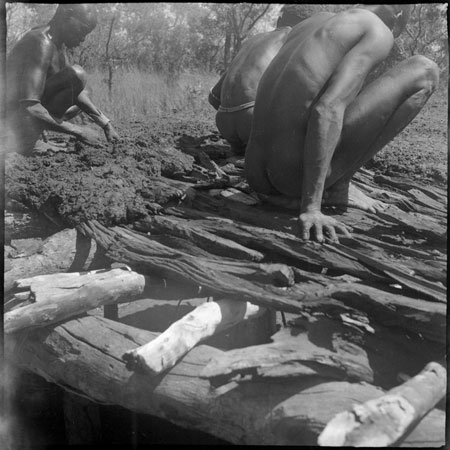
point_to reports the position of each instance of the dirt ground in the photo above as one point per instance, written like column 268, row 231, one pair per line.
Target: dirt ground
column 420, row 151
column 69, row 181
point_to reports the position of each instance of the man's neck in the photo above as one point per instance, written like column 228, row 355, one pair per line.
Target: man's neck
column 54, row 35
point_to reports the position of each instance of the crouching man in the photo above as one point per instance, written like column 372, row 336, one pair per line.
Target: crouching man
column 43, row 91
column 234, row 94
column 315, row 122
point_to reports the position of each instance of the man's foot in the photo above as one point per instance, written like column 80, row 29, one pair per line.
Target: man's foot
column 346, row 194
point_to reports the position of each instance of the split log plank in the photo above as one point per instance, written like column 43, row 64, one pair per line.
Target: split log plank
column 341, row 349
column 404, row 184
column 183, row 335
column 414, row 223
column 428, row 288
column 290, row 358
column 419, row 316
column 274, row 244
column 212, row 243
column 85, row 355
column 383, row 421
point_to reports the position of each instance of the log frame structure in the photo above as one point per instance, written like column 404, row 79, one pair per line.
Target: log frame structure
column 368, row 311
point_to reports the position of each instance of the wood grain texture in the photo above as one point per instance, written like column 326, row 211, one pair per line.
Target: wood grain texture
column 85, row 355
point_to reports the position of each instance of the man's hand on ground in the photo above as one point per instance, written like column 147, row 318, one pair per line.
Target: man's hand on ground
column 87, row 135
column 318, row 226
column 111, row 133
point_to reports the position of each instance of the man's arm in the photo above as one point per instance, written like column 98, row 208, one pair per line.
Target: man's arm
column 325, row 128
column 32, row 79
column 86, row 105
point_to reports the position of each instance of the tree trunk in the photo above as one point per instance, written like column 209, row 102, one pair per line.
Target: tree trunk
column 227, row 50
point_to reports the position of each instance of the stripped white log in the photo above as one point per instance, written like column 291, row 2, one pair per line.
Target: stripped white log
column 60, row 296
column 183, row 335
column 383, row 421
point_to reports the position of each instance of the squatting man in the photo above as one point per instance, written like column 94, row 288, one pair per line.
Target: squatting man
column 315, row 122
column 43, row 90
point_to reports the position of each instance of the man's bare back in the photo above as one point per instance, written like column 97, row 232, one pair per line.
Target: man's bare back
column 314, row 124
column 234, row 94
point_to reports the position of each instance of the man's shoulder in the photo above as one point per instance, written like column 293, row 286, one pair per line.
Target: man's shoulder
column 37, row 38
column 364, row 17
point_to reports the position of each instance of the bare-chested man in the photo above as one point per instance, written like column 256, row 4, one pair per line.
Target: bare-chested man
column 234, row 94
column 314, row 123
column 43, row 91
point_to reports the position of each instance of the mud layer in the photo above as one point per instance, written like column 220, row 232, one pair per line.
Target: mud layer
column 114, row 184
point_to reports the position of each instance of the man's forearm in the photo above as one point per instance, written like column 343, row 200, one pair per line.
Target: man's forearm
column 39, row 112
column 321, row 140
column 86, row 105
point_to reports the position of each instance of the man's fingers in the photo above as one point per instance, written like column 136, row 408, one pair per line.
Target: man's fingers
column 342, row 229
column 331, row 233
column 319, row 232
column 305, row 227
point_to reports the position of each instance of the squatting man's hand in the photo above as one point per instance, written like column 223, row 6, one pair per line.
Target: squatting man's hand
column 110, row 133
column 322, row 226
column 87, row 135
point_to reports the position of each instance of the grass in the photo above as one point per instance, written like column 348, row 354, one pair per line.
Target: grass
column 137, row 95
column 420, row 151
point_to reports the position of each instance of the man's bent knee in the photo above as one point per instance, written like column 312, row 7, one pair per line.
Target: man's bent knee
column 427, row 72
column 78, row 76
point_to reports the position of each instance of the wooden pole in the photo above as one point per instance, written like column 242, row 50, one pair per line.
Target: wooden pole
column 58, row 297
column 183, row 335
column 383, row 421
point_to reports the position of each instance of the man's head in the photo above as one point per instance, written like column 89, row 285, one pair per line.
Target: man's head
column 394, row 16
column 75, row 22
column 291, row 15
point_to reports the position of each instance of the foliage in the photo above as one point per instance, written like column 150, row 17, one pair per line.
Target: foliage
column 170, row 38
column 141, row 95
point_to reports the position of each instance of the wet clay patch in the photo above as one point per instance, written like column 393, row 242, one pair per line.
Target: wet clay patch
column 114, row 184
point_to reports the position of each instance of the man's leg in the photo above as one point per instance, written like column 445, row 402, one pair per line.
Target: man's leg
column 62, row 91
column 235, row 128
column 380, row 112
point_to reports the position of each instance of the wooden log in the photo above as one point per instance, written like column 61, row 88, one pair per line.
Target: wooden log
column 85, row 354
column 65, row 251
column 60, row 297
column 348, row 347
column 291, row 357
column 383, row 421
column 433, row 290
column 204, row 239
column 424, row 263
column 268, row 235
column 243, row 282
column 417, row 224
column 404, row 184
column 183, row 335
